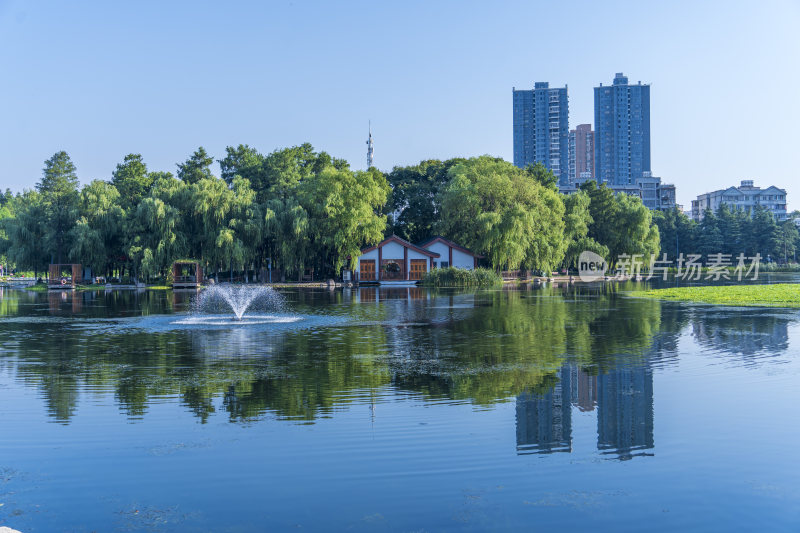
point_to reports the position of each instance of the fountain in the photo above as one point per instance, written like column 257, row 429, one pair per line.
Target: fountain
column 239, row 299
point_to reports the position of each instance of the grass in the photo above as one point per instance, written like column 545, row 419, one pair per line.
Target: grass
column 459, row 277
column 41, row 287
column 777, row 295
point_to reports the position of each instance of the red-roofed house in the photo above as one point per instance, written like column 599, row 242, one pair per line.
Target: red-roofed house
column 450, row 253
column 395, row 261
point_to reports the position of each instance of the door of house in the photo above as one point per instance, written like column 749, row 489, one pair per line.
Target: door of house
column 418, row 269
column 367, row 270
column 392, row 269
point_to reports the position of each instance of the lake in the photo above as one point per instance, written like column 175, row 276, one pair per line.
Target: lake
column 372, row 409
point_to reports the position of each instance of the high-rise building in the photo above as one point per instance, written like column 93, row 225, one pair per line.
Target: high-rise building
column 622, row 132
column 541, row 129
column 581, row 152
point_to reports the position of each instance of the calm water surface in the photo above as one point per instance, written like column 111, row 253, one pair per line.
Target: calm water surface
column 398, row 410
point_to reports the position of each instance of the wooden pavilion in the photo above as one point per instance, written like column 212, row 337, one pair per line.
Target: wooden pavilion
column 187, row 275
column 64, row 276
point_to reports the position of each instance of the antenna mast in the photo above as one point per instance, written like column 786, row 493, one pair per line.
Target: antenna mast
column 370, row 148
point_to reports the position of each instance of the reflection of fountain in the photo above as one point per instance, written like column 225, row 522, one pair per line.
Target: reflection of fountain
column 239, row 299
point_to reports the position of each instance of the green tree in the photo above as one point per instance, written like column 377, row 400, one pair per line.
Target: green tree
column 59, row 191
column 542, row 175
column 634, row 230
column 577, row 220
column 245, row 162
column 132, row 180
column 764, row 234
column 710, row 239
column 97, row 239
column 196, row 168
column 603, row 210
column 493, row 207
column 414, row 202
column 26, row 246
column 344, row 214
column 676, row 231
column 788, row 237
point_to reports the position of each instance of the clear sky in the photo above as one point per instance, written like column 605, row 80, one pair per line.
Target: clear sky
column 104, row 79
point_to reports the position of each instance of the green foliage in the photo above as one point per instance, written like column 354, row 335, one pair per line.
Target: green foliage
column 677, row 232
column 492, row 206
column 132, row 180
column 460, row 277
column 777, row 295
column 542, row 175
column 415, row 198
column 577, row 219
column 196, row 168
column 342, row 206
column 59, row 192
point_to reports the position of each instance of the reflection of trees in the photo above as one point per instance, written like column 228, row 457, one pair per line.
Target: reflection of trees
column 481, row 347
column 742, row 332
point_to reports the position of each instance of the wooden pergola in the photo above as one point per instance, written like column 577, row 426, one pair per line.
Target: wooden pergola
column 187, row 274
column 64, row 276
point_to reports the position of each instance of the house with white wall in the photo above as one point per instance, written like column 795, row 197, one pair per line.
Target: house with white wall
column 450, row 253
column 395, row 261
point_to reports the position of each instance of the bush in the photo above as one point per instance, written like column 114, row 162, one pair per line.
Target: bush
column 460, row 277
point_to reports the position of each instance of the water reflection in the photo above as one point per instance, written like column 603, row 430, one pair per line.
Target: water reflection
column 544, row 420
column 625, row 411
column 549, row 349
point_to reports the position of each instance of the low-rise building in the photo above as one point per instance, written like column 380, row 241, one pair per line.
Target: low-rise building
column 397, row 261
column 654, row 194
column 745, row 197
column 450, row 253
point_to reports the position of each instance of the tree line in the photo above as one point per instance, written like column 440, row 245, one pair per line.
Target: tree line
column 295, row 207
column 298, row 209
column 729, row 230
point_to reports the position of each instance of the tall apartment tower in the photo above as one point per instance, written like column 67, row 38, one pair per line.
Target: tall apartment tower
column 581, row 152
column 622, row 131
column 541, row 129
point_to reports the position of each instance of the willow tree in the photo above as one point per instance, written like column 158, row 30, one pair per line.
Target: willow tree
column 343, row 208
column 26, row 247
column 286, row 234
column 98, row 236
column 577, row 220
column 493, row 207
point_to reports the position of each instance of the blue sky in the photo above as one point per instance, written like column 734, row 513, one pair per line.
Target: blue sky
column 104, row 79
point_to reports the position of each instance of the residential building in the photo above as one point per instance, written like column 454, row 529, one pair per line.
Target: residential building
column 581, row 152
column 746, row 197
column 654, row 194
column 541, row 128
column 622, row 132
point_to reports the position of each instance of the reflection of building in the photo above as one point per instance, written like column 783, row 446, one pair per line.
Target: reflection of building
column 625, row 411
column 748, row 336
column 544, row 421
column 583, row 389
